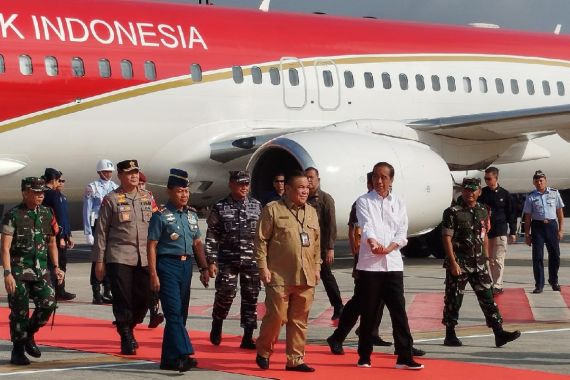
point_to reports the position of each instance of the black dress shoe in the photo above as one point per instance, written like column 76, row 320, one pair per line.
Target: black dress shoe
column 556, row 287
column 300, row 368
column 537, row 291
column 377, row 341
column 32, row 348
column 262, row 362
column 335, row 346
column 181, row 365
column 155, row 320
column 65, row 296
column 337, row 312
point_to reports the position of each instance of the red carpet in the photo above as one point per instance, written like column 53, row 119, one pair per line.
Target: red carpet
column 99, row 336
column 514, row 306
column 565, row 290
column 425, row 312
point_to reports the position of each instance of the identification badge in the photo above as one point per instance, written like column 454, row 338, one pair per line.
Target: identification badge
column 305, row 241
column 174, row 236
column 124, row 216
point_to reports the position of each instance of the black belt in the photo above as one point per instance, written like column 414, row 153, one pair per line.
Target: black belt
column 174, row 257
column 544, row 221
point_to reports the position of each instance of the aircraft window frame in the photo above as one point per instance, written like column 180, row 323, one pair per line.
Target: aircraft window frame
column 435, row 83
column 368, row 79
column 560, row 88
column 127, row 69
column 451, row 84
column 196, row 72
column 500, row 85
column 275, row 76
column 483, row 87
column 467, row 85
column 386, row 81
column 104, row 66
column 51, row 66
column 348, row 79
column 77, row 67
column 293, row 74
column 256, row 75
column 515, row 86
column 150, row 70
column 25, row 64
column 2, row 64
column 328, row 78
column 237, row 74
column 404, row 82
column 420, row 82
column 530, row 87
column 546, row 90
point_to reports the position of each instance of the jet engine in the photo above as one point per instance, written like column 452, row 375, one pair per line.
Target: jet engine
column 343, row 158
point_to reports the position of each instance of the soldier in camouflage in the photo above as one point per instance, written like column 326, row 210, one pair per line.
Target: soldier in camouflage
column 28, row 235
column 229, row 249
column 464, row 232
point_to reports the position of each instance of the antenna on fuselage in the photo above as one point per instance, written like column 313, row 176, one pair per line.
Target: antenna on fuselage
column 558, row 29
column 264, row 5
column 207, row 2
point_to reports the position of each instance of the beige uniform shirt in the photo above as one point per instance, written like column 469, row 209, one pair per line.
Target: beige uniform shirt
column 278, row 243
column 122, row 228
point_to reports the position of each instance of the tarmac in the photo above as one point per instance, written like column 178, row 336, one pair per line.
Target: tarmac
column 544, row 345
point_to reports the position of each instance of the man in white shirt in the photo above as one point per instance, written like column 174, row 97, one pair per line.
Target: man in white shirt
column 384, row 222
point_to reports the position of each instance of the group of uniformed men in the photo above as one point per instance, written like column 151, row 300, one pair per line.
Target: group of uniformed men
column 288, row 245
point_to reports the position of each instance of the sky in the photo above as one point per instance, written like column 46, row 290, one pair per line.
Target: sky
column 534, row 15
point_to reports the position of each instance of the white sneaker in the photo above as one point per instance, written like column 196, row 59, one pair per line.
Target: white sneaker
column 363, row 364
column 409, row 364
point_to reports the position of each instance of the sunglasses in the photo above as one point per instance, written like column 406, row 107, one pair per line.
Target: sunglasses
column 488, row 178
column 61, row 180
column 279, row 181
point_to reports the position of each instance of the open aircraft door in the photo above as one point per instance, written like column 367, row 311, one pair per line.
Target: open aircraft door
column 328, row 87
column 294, row 82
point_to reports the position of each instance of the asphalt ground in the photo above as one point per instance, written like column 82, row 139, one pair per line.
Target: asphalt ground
column 544, row 345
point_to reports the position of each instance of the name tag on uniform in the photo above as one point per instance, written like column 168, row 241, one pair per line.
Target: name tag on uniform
column 305, row 241
column 124, row 216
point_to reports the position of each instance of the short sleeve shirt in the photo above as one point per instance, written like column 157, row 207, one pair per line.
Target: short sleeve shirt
column 543, row 206
column 175, row 230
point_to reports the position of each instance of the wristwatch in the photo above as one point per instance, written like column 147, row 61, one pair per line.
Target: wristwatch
column 7, row 272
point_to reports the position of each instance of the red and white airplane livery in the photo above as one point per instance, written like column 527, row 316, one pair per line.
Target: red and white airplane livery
column 209, row 89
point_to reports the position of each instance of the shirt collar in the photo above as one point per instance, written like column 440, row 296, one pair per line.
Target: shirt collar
column 169, row 205
column 291, row 205
column 378, row 196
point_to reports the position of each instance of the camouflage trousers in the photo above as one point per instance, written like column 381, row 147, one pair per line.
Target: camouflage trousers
column 226, row 289
column 482, row 285
column 43, row 295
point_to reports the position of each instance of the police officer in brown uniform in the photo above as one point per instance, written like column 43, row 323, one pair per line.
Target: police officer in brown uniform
column 120, row 250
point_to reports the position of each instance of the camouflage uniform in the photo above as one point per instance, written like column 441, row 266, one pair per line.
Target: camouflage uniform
column 229, row 244
column 468, row 226
column 31, row 231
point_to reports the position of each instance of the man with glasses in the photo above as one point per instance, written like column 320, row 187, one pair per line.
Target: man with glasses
column 503, row 224
column 229, row 249
column 278, row 189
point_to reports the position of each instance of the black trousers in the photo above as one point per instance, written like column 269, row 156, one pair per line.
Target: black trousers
column 351, row 312
column 329, row 282
column 387, row 287
column 131, row 292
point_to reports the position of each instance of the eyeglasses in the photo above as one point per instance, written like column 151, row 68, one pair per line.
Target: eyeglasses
column 61, row 180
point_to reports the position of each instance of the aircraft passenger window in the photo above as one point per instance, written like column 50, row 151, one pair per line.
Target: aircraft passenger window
column 150, row 70
column 403, row 81
column 467, row 84
column 546, row 87
column 2, row 65
column 256, row 75
column 26, row 64
column 237, row 73
column 435, row 85
column 51, row 66
column 560, row 86
column 293, row 77
column 368, row 80
column 386, row 81
column 196, row 72
column 274, row 76
column 328, row 78
column 348, row 79
column 483, row 85
column 451, row 84
column 500, row 86
column 530, row 86
column 104, row 68
column 420, row 83
column 126, row 69
column 77, row 67
column 514, row 86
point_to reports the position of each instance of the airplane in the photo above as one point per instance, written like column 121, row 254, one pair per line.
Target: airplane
column 210, row 89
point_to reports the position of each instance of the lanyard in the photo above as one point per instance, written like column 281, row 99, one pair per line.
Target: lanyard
column 301, row 223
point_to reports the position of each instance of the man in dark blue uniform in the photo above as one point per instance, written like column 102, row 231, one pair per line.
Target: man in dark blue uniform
column 543, row 217
column 173, row 237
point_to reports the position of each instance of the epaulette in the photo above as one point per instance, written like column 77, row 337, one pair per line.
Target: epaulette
column 456, row 208
column 192, row 209
column 552, row 189
column 161, row 209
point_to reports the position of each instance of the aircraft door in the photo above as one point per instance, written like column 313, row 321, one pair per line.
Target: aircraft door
column 294, row 83
column 328, row 84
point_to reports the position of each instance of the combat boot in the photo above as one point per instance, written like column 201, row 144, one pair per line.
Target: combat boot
column 133, row 339
column 247, row 339
column 97, row 297
column 18, row 355
column 127, row 344
column 503, row 337
column 451, row 338
column 107, row 296
column 216, row 332
column 32, row 348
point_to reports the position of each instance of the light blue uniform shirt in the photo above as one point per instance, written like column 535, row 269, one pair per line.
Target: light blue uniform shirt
column 543, row 206
column 175, row 230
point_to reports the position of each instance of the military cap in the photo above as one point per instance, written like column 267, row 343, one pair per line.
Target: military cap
column 538, row 174
column 471, row 183
column 127, row 166
column 178, row 177
column 50, row 174
column 240, row 176
column 34, row 184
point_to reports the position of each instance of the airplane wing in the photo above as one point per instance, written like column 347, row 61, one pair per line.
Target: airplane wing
column 531, row 122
